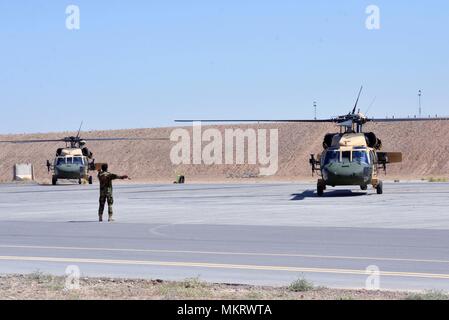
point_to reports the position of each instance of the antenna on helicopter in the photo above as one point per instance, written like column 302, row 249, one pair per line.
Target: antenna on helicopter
column 79, row 130
column 371, row 104
column 357, row 101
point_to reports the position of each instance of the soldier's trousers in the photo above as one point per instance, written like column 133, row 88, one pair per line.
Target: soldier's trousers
column 103, row 199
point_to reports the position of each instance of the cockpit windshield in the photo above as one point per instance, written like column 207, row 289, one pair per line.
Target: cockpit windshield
column 332, row 156
column 60, row 161
column 78, row 160
column 360, row 156
column 346, row 156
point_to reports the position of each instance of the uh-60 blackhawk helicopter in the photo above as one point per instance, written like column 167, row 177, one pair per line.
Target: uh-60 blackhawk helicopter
column 350, row 157
column 75, row 161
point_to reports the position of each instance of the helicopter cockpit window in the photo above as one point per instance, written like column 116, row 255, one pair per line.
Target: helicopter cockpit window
column 346, row 156
column 360, row 156
column 332, row 156
column 60, row 161
column 69, row 160
column 78, row 160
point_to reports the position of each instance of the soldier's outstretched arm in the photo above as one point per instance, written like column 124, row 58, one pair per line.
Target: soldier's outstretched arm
column 116, row 176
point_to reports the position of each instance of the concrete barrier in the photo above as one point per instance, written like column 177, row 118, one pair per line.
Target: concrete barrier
column 23, row 172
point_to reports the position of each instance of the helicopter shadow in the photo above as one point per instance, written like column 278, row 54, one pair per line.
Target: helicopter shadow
column 327, row 194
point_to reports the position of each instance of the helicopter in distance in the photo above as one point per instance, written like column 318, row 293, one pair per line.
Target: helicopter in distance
column 350, row 157
column 75, row 161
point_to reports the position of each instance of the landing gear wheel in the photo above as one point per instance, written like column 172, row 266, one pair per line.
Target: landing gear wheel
column 80, row 181
column 380, row 188
column 90, row 180
column 364, row 188
column 320, row 190
column 54, row 180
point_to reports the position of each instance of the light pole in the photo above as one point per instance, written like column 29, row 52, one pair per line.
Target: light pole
column 419, row 102
column 314, row 107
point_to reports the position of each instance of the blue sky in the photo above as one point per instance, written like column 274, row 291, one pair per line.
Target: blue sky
column 145, row 63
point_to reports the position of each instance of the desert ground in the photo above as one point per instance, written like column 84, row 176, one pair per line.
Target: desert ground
column 37, row 286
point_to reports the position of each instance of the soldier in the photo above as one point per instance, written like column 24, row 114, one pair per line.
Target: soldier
column 105, row 179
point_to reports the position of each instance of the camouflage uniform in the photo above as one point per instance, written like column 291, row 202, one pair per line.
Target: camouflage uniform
column 105, row 179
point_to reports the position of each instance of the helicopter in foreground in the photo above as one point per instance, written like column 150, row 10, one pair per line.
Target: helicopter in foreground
column 75, row 161
column 350, row 157
column 353, row 157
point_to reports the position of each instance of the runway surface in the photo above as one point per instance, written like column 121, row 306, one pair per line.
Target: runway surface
column 247, row 233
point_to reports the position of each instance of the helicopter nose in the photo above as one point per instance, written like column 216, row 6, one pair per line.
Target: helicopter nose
column 346, row 170
column 346, row 174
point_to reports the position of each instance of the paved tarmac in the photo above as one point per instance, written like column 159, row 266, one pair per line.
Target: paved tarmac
column 247, row 233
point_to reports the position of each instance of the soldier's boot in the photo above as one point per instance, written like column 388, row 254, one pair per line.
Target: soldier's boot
column 100, row 218
column 110, row 215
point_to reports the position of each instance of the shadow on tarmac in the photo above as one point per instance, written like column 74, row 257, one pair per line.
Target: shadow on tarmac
column 327, row 194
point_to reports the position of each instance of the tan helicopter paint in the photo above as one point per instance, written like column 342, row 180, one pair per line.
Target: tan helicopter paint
column 71, row 152
column 349, row 140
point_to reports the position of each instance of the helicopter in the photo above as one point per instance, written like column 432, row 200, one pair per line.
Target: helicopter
column 350, row 157
column 75, row 161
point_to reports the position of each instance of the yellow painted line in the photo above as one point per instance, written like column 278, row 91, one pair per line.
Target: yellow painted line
column 293, row 255
column 223, row 266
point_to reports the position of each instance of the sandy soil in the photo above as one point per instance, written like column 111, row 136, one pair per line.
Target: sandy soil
column 424, row 146
column 38, row 286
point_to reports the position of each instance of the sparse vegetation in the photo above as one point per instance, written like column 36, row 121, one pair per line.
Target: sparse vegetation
column 46, row 280
column 428, row 295
column 40, row 277
column 244, row 175
column 432, row 179
column 301, row 285
column 42, row 286
column 191, row 288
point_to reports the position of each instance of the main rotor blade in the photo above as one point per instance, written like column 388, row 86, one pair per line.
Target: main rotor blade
column 32, row 141
column 259, row 120
column 409, row 119
column 125, row 139
column 88, row 139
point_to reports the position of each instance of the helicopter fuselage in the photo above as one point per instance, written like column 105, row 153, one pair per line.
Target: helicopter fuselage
column 71, row 163
column 348, row 166
column 348, row 161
